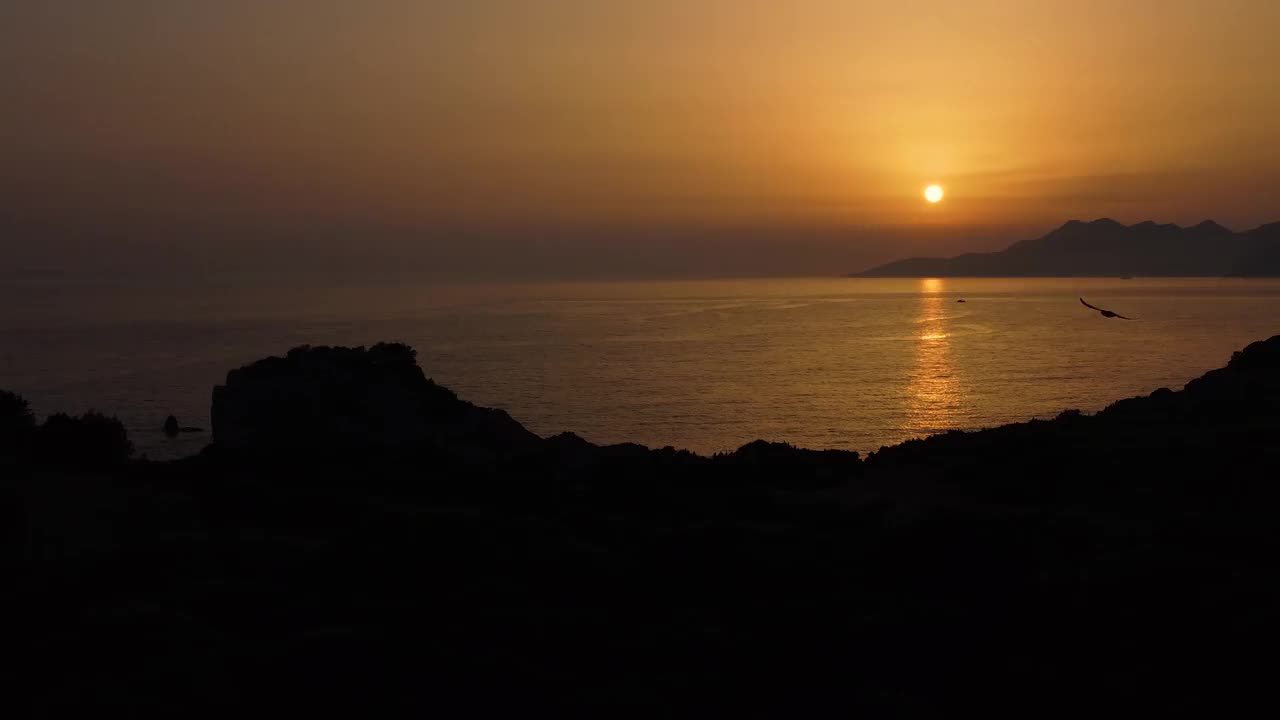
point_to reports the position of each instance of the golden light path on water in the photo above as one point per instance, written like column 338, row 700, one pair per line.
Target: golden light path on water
column 935, row 394
column 851, row 364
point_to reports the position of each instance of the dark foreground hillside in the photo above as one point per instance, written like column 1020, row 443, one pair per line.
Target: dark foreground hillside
column 359, row 540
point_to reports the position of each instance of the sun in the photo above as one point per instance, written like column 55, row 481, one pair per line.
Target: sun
column 933, row 193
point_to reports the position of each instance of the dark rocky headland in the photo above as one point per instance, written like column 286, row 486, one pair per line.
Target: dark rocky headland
column 358, row 540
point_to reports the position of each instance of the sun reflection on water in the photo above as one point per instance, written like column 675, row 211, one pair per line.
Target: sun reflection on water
column 934, row 395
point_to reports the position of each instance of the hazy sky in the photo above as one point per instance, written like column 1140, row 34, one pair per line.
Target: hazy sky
column 587, row 137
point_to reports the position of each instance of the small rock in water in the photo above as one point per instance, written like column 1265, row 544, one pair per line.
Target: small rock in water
column 171, row 427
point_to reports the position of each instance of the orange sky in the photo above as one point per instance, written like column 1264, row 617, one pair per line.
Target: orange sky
column 674, row 113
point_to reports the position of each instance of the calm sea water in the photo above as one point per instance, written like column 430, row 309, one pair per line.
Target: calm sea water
column 827, row 363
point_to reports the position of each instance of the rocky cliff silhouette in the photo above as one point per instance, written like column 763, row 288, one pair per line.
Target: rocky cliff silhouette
column 324, row 400
column 1109, row 249
column 358, row 540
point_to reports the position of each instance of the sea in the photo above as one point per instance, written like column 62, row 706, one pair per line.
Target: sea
column 853, row 364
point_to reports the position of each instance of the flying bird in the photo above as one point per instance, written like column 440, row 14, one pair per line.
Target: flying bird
column 1105, row 313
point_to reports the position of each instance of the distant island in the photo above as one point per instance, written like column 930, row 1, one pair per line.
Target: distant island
column 1106, row 248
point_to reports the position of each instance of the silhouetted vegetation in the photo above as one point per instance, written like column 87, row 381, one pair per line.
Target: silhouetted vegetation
column 91, row 440
column 429, row 557
column 17, row 425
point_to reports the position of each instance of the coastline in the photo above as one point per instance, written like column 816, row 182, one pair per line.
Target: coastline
column 367, row 541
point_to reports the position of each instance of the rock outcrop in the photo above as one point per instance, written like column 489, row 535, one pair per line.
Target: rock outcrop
column 173, row 428
column 326, row 400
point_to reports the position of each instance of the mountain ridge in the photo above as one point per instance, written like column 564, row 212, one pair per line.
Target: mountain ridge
column 1105, row 248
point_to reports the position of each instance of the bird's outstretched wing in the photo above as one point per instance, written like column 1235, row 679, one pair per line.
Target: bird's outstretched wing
column 1105, row 313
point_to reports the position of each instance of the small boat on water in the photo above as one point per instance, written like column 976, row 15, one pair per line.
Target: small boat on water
column 961, row 300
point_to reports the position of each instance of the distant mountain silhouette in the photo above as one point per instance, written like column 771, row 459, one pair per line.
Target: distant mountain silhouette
column 1261, row 255
column 1107, row 248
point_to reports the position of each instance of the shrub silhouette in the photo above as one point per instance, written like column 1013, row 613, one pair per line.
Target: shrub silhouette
column 17, row 424
column 92, row 440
